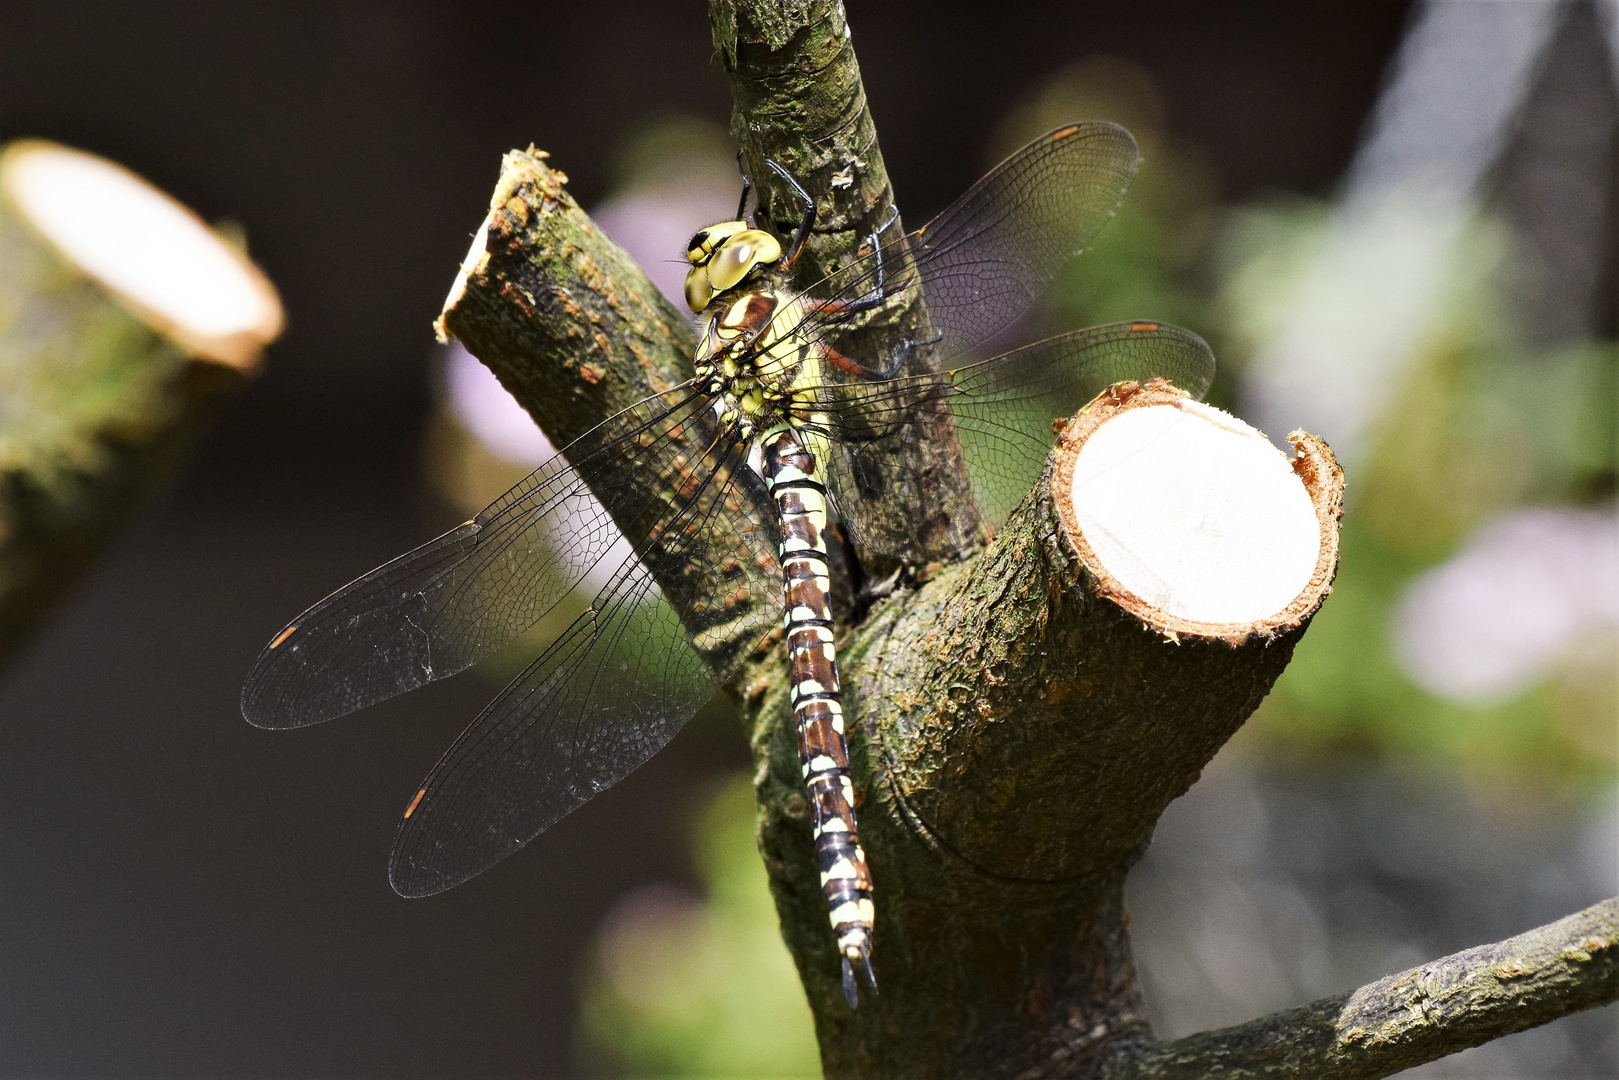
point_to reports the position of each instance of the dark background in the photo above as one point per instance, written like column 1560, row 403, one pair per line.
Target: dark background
column 181, row 894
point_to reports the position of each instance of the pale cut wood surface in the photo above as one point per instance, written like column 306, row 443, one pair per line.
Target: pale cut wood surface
column 1196, row 513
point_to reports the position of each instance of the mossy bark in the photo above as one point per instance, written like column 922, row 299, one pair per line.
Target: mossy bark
column 1016, row 730
column 97, row 411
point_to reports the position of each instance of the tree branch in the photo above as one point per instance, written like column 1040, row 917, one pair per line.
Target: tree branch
column 577, row 332
column 112, row 363
column 573, row 328
column 1020, row 718
column 1414, row 1017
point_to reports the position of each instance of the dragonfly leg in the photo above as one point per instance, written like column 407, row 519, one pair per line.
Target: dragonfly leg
column 747, row 186
column 853, row 367
column 902, row 357
column 805, row 223
column 879, row 292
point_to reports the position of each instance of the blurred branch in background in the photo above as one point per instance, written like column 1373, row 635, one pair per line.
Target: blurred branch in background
column 125, row 324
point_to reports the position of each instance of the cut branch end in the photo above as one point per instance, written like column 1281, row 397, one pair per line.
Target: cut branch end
column 1191, row 520
column 125, row 324
column 160, row 260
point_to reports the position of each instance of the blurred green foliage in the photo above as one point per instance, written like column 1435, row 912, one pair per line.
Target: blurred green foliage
column 682, row 987
column 1480, row 423
column 1148, row 262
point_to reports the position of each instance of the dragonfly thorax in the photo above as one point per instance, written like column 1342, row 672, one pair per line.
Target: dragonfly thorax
column 754, row 359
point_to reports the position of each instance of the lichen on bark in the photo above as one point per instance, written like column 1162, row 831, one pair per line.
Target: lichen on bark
column 1410, row 1018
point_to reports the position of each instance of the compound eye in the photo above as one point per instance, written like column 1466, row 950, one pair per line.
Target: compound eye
column 698, row 291
column 697, row 251
column 731, row 264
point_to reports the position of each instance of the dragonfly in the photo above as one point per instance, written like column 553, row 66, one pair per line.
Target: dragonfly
column 723, row 507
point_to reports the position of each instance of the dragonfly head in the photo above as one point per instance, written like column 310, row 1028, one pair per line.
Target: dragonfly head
column 723, row 256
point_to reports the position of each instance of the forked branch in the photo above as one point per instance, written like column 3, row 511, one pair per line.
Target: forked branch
column 1020, row 719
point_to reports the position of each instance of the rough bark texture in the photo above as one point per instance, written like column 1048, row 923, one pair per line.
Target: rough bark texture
column 1016, row 730
column 577, row 332
column 1016, row 734
column 97, row 411
column 562, row 316
column 1416, row 1016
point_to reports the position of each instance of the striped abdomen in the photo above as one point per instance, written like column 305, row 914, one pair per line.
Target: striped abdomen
column 795, row 481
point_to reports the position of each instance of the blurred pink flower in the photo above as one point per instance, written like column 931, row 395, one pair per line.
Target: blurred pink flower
column 1493, row 620
column 483, row 407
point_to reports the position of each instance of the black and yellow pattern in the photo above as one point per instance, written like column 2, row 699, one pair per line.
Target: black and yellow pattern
column 763, row 373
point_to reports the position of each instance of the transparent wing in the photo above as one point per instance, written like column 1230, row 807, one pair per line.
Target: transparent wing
column 985, row 259
column 606, row 696
column 438, row 609
column 1002, row 410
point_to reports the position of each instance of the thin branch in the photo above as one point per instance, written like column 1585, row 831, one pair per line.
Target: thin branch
column 1414, row 1017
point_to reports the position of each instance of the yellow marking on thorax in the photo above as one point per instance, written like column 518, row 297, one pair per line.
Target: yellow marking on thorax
column 777, row 371
column 780, row 349
column 730, row 322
